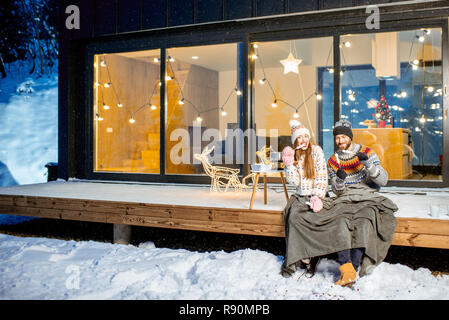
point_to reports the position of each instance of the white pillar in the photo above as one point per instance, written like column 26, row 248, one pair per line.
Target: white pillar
column 122, row 233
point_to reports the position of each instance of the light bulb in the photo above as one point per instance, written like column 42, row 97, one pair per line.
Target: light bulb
column 421, row 38
column 99, row 118
column 223, row 112
column 97, row 84
column 347, row 44
column 274, row 104
column 255, row 45
column 262, row 81
column 120, row 105
column 237, row 91
column 168, row 78
column 296, row 115
column 422, row 119
column 319, row 96
column 430, row 89
column 105, row 107
column 102, row 63
column 416, row 61
column 156, row 60
column 254, row 56
column 331, row 70
column 195, row 57
column 131, row 120
column 181, row 101
column 153, row 107
column 171, row 59
column 415, row 67
column 199, row 119
column 107, row 84
column 160, row 83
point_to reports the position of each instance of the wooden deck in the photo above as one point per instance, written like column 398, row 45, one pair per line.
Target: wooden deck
column 419, row 232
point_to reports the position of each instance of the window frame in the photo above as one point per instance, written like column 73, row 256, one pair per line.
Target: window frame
column 245, row 33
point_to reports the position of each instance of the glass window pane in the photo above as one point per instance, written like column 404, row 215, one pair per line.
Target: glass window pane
column 286, row 90
column 202, row 107
column 391, row 91
column 126, row 112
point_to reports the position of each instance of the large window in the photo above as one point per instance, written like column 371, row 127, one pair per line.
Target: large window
column 289, row 85
column 127, row 112
column 203, row 96
column 391, row 92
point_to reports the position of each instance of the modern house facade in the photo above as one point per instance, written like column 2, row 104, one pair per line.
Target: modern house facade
column 145, row 85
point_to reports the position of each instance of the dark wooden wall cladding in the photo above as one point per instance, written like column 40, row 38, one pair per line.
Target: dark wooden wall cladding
column 105, row 17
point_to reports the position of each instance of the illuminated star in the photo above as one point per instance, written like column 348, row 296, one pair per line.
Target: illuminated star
column 291, row 64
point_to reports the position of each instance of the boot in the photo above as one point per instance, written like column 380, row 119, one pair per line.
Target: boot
column 347, row 275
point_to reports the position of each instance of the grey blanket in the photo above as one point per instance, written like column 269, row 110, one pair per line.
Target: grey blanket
column 359, row 218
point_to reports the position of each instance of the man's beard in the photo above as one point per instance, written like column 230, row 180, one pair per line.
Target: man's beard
column 346, row 146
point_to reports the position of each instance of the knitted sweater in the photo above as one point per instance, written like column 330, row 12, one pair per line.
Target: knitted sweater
column 371, row 174
column 309, row 187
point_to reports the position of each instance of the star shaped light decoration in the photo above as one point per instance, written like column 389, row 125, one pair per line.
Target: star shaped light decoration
column 291, row 64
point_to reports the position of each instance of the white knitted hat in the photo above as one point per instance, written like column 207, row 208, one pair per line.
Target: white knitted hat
column 298, row 129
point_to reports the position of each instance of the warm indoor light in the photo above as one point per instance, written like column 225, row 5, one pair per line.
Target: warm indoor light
column 274, row 104
column 168, row 78
column 199, row 119
column 195, row 57
column 120, row 105
column 106, row 107
column 296, row 115
column 171, row 59
column 223, row 112
column 254, row 56
column 131, row 120
column 237, row 91
column 422, row 119
column 181, row 101
column 153, row 107
column 262, row 81
column 156, row 60
column 102, row 63
column 319, row 96
column 107, row 84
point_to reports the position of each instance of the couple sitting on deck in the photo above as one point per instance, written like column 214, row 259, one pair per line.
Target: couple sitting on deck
column 358, row 224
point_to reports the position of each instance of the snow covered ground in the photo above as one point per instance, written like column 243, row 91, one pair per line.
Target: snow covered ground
column 39, row 268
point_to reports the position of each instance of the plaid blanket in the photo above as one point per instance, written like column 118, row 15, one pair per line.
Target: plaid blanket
column 359, row 218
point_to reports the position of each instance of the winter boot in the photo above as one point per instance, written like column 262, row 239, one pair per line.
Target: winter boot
column 347, row 275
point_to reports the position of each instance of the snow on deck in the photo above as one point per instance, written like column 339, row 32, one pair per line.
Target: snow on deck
column 412, row 202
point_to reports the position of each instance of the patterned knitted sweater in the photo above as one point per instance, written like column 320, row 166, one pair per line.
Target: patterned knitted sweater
column 371, row 174
column 309, row 187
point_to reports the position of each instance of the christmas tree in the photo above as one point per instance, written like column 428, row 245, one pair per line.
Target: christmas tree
column 382, row 111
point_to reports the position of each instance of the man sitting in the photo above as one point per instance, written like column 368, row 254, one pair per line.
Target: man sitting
column 355, row 174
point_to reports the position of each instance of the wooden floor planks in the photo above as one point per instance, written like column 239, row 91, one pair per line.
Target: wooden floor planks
column 432, row 233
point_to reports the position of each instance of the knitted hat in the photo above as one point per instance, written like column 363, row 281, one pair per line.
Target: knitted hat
column 297, row 130
column 343, row 127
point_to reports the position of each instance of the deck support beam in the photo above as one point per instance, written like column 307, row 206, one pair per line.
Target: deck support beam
column 122, row 233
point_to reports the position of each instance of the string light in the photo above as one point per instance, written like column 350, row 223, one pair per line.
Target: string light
column 223, row 112
column 153, row 107
column 199, row 119
column 106, row 107
column 120, row 105
column 262, row 81
column 103, row 63
column 107, row 84
column 274, row 104
column 181, row 102
column 131, row 120
column 237, row 91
